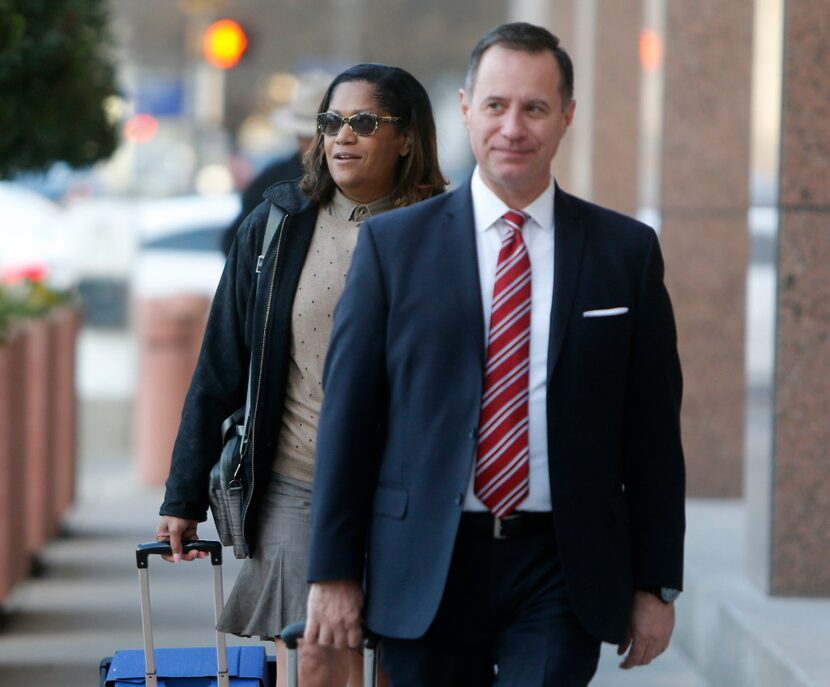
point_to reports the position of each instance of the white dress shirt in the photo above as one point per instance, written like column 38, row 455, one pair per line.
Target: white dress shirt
column 537, row 235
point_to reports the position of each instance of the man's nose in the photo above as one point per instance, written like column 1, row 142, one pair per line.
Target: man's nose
column 512, row 124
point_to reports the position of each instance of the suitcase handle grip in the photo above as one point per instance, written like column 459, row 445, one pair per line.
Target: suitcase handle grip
column 294, row 632
column 162, row 548
column 291, row 634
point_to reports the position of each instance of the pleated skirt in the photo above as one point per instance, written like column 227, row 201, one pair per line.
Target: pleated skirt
column 271, row 590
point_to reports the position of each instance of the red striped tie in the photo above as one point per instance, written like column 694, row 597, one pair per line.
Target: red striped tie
column 502, row 472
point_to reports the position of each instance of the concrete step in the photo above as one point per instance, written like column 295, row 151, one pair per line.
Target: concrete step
column 737, row 635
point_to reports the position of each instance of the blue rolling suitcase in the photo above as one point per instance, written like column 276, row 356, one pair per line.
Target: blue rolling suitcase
column 222, row 666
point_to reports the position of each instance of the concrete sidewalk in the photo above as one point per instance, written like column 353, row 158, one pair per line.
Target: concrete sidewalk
column 85, row 604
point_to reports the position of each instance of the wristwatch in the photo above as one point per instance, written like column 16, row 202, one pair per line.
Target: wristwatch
column 666, row 594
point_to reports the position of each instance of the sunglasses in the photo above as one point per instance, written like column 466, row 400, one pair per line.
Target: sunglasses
column 362, row 123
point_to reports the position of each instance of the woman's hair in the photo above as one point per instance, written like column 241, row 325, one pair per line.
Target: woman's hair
column 418, row 176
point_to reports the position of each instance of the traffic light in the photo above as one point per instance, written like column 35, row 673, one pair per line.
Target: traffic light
column 224, row 44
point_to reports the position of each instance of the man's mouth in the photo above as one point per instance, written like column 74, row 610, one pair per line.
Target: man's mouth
column 513, row 151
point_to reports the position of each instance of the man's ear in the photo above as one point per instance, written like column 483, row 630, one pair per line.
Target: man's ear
column 569, row 112
column 465, row 106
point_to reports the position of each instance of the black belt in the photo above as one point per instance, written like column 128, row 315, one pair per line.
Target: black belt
column 510, row 527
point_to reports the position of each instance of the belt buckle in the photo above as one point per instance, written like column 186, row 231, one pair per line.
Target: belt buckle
column 498, row 532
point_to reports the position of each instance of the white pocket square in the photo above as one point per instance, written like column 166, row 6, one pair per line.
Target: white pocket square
column 606, row 312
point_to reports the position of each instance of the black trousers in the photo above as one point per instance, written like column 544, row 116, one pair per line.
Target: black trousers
column 504, row 620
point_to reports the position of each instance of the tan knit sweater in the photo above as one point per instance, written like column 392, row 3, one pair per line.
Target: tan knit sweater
column 321, row 283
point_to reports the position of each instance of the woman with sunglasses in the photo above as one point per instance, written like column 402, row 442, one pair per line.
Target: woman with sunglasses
column 375, row 150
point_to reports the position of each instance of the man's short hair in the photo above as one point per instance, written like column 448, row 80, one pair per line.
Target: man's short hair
column 527, row 38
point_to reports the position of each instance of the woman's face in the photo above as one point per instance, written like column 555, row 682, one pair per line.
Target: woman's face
column 363, row 167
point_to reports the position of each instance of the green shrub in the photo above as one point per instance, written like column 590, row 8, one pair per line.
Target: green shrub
column 56, row 74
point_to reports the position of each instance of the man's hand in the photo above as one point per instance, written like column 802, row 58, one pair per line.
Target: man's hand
column 176, row 530
column 652, row 622
column 333, row 616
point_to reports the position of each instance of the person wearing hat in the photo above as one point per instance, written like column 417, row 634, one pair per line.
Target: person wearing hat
column 300, row 120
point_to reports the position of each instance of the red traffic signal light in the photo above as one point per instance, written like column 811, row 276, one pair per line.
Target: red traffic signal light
column 224, row 44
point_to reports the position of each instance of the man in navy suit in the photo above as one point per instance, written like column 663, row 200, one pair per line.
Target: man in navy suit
column 499, row 463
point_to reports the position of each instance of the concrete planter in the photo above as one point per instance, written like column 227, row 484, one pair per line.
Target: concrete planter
column 38, row 424
column 170, row 332
column 38, row 412
column 13, row 554
column 66, row 322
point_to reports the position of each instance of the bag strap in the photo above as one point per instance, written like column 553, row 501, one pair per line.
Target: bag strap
column 275, row 216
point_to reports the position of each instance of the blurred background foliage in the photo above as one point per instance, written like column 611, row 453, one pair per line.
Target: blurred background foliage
column 28, row 296
column 56, row 74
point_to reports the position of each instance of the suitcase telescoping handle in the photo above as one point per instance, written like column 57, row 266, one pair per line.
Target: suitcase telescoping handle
column 293, row 633
column 160, row 548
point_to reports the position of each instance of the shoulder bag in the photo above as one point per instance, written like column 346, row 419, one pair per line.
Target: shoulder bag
column 227, row 486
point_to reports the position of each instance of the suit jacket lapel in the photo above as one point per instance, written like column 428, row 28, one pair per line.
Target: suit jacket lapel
column 461, row 244
column 569, row 240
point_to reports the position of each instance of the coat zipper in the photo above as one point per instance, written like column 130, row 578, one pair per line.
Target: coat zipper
column 261, row 366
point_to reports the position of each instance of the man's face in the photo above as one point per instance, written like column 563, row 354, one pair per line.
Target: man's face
column 515, row 120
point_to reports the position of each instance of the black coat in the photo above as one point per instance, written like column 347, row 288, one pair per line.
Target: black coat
column 243, row 319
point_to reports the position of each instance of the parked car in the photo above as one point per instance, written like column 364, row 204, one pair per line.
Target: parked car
column 179, row 244
column 36, row 234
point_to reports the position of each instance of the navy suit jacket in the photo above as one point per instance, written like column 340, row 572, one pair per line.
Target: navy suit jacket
column 402, row 395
